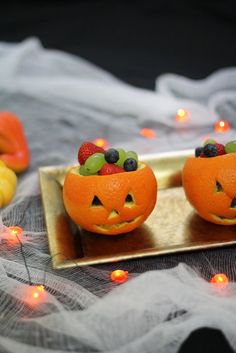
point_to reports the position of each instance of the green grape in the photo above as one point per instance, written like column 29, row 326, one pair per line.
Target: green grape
column 122, row 157
column 94, row 163
column 230, row 147
column 132, row 154
column 83, row 171
column 211, row 141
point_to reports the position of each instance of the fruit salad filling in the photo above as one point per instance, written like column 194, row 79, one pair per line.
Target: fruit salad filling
column 95, row 160
column 211, row 148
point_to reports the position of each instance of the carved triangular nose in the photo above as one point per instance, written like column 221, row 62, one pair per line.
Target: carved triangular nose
column 233, row 203
column 113, row 214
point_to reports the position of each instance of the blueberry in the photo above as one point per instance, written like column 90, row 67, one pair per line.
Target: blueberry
column 112, row 155
column 210, row 150
column 130, row 165
column 198, row 151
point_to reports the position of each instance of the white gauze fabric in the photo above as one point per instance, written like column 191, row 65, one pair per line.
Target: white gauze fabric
column 63, row 100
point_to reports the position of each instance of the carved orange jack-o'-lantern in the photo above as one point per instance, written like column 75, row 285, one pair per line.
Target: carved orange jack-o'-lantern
column 110, row 204
column 210, row 186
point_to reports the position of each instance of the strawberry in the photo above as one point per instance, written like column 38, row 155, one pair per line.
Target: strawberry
column 86, row 150
column 109, row 168
column 220, row 149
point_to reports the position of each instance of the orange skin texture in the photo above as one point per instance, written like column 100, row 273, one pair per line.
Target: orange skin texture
column 199, row 179
column 79, row 191
column 14, row 151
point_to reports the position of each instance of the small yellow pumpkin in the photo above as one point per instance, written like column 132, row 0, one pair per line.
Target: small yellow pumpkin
column 8, row 183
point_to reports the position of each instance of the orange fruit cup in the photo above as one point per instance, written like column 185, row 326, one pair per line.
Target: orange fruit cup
column 110, row 204
column 210, row 187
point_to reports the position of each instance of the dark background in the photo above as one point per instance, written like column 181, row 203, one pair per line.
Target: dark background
column 136, row 41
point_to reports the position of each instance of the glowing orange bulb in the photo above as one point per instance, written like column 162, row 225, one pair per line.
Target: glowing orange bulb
column 100, row 142
column 220, row 280
column 15, row 232
column 37, row 291
column 147, row 133
column 222, row 126
column 119, row 276
column 181, row 115
column 35, row 294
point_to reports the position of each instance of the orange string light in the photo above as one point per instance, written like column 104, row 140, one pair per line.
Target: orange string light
column 15, row 233
column 220, row 280
column 147, row 133
column 100, row 142
column 182, row 115
column 222, row 126
column 35, row 294
column 119, row 276
column 15, row 230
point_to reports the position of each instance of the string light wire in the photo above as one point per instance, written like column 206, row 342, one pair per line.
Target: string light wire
column 24, row 259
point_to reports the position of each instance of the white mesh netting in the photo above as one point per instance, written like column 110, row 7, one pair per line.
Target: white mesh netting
column 61, row 101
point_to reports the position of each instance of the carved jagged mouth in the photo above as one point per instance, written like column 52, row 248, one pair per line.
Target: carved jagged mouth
column 116, row 225
column 225, row 219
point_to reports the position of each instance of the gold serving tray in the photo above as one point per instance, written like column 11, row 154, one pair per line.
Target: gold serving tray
column 172, row 227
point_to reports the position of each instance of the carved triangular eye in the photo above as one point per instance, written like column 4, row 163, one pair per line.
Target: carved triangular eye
column 219, row 187
column 233, row 203
column 96, row 201
column 129, row 201
column 129, row 198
